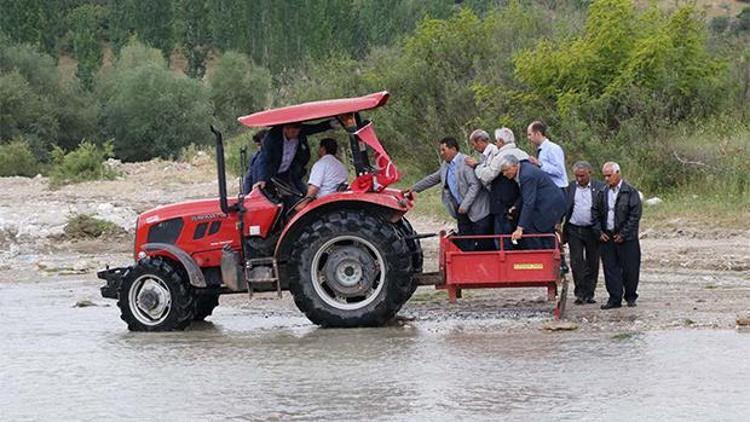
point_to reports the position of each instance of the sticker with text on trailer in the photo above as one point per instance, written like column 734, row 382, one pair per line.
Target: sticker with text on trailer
column 527, row 266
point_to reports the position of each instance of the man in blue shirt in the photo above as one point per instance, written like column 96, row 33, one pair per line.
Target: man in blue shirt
column 550, row 157
column 551, row 160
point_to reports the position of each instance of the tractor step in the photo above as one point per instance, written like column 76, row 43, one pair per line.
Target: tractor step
column 262, row 270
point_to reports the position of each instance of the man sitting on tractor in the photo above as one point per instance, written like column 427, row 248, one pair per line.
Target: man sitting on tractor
column 253, row 166
column 286, row 153
column 326, row 175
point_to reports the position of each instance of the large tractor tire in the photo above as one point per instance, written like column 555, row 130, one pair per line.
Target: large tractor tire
column 204, row 305
column 350, row 268
column 155, row 296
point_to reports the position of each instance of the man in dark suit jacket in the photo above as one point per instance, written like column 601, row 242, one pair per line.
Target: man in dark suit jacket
column 543, row 203
column 286, row 153
column 579, row 232
column 617, row 213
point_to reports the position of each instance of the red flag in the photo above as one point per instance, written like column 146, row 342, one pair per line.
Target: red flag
column 386, row 172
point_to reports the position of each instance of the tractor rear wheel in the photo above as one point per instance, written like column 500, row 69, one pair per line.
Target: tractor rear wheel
column 204, row 305
column 415, row 248
column 155, row 296
column 352, row 268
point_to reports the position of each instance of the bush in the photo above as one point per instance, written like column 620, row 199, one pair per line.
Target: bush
column 150, row 111
column 662, row 59
column 83, row 226
column 16, row 159
column 238, row 87
column 83, row 164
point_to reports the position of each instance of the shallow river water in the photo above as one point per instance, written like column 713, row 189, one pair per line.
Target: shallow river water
column 58, row 362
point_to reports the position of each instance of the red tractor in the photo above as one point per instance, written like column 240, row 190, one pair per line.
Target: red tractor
column 349, row 259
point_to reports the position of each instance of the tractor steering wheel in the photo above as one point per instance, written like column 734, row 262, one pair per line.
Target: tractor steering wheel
column 285, row 189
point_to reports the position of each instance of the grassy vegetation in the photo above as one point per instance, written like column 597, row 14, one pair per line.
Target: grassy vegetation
column 17, row 159
column 85, row 163
column 83, row 226
column 658, row 87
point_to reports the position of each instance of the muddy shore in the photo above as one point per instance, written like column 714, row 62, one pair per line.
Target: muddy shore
column 692, row 275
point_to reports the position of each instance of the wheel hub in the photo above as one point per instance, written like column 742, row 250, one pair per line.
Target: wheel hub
column 349, row 271
column 152, row 300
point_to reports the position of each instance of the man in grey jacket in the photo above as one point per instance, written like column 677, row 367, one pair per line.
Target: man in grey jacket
column 505, row 195
column 462, row 194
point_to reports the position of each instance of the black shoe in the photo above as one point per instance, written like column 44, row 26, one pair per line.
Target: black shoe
column 578, row 301
column 590, row 300
column 632, row 304
column 610, row 305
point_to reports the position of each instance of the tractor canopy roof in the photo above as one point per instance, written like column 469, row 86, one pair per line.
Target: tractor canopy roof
column 314, row 110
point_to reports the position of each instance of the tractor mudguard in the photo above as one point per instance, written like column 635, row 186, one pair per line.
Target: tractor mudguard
column 195, row 275
column 389, row 199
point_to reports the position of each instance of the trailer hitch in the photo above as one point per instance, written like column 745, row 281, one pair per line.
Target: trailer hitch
column 420, row 236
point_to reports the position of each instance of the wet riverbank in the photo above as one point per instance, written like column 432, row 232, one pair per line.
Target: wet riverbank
column 66, row 363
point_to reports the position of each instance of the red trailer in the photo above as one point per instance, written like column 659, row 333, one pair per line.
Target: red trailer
column 460, row 269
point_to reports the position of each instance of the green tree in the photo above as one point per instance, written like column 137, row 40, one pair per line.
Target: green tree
column 150, row 111
column 31, row 22
column 42, row 104
column 150, row 21
column 194, row 33
column 85, row 23
column 625, row 65
column 238, row 87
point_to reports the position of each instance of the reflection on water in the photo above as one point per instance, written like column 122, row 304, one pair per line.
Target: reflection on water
column 63, row 363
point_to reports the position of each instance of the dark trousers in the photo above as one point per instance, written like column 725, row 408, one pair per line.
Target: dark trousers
column 547, row 242
column 622, row 268
column 466, row 227
column 501, row 225
column 584, row 259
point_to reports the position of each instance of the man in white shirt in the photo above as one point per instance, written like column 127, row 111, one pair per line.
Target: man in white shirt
column 579, row 231
column 326, row 175
column 616, row 215
column 480, row 141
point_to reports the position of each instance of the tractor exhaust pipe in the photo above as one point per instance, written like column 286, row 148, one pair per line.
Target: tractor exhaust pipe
column 221, row 169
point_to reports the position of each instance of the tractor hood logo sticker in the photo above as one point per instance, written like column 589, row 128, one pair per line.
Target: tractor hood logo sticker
column 528, row 266
column 205, row 217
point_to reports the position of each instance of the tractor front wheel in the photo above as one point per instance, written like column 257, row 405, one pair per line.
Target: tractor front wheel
column 351, row 269
column 155, row 296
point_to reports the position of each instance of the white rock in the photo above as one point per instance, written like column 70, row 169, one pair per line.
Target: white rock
column 105, row 207
column 81, row 266
column 561, row 326
column 653, row 201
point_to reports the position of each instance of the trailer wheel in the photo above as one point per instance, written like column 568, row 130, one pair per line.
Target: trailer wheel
column 204, row 305
column 351, row 269
column 155, row 296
